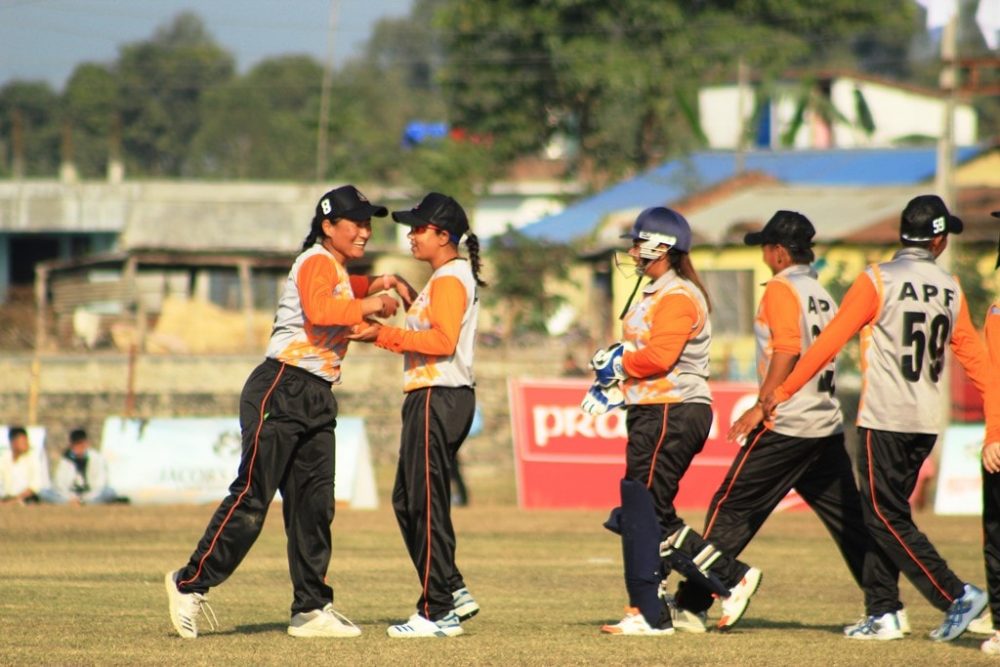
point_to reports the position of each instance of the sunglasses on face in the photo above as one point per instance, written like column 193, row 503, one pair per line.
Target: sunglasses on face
column 423, row 228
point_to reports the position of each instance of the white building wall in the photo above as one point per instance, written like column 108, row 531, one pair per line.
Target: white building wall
column 897, row 113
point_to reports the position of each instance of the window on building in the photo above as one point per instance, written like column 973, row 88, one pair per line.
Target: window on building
column 732, row 300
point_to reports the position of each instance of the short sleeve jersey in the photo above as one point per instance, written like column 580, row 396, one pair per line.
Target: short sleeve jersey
column 453, row 370
column 295, row 340
column 903, row 347
column 813, row 412
column 687, row 379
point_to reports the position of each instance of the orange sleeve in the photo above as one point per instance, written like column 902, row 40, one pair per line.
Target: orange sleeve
column 673, row 319
column 359, row 285
column 992, row 407
column 858, row 309
column 316, row 280
column 782, row 312
column 969, row 350
column 445, row 308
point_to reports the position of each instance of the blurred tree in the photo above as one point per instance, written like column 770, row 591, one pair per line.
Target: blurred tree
column 162, row 81
column 90, row 105
column 262, row 125
column 520, row 267
column 622, row 77
column 36, row 106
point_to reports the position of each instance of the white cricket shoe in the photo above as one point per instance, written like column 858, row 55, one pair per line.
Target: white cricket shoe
column 635, row 624
column 880, row 628
column 960, row 614
column 902, row 619
column 185, row 608
column 983, row 625
column 992, row 645
column 734, row 606
column 464, row 604
column 419, row 626
column 325, row 622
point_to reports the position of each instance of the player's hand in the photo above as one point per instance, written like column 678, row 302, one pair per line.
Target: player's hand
column 403, row 289
column 769, row 405
column 747, row 422
column 600, row 399
column 366, row 332
column 991, row 457
column 607, row 364
column 389, row 306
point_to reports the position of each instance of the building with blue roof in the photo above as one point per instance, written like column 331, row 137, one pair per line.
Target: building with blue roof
column 685, row 176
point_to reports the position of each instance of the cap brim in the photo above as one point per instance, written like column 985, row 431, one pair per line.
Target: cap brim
column 366, row 212
column 409, row 218
column 955, row 225
column 754, row 238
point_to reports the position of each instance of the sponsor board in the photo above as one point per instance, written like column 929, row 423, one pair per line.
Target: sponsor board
column 959, row 481
column 194, row 460
column 565, row 458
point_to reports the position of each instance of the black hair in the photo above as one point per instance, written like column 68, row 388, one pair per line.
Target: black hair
column 15, row 431
column 681, row 263
column 472, row 245
column 800, row 255
column 77, row 435
column 926, row 245
column 315, row 232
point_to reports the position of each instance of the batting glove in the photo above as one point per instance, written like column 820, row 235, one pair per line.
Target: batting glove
column 599, row 399
column 607, row 364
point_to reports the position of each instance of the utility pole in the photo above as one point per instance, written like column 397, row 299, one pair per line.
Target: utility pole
column 323, row 126
column 944, row 180
column 742, row 75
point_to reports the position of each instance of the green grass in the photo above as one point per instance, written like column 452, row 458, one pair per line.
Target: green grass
column 84, row 586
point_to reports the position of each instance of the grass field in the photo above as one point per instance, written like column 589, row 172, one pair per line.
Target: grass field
column 84, row 586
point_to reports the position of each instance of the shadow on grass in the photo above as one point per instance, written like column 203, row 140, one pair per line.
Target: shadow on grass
column 256, row 629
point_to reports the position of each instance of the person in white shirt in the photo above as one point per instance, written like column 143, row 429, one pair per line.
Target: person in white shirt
column 20, row 472
column 81, row 476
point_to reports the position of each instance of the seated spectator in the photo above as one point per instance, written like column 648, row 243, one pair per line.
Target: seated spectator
column 81, row 476
column 21, row 477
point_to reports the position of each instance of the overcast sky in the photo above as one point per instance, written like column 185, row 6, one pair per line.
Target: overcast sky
column 47, row 39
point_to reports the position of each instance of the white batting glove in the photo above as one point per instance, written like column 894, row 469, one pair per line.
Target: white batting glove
column 599, row 399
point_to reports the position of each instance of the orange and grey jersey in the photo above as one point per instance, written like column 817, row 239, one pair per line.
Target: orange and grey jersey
column 793, row 311
column 316, row 311
column 908, row 310
column 671, row 332
column 439, row 339
column 993, row 390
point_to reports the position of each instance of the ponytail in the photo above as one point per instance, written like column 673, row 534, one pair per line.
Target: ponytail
column 315, row 233
column 472, row 245
column 681, row 263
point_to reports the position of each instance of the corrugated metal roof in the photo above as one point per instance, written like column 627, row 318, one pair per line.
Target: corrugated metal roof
column 679, row 178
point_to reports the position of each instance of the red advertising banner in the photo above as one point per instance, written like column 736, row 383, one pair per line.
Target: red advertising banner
column 565, row 458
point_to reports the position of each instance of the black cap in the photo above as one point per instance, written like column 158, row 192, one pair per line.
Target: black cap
column 788, row 228
column 926, row 217
column 439, row 210
column 348, row 202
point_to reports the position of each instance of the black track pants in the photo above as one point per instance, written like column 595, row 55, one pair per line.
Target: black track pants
column 991, row 541
column 436, row 421
column 287, row 417
column 662, row 441
column 761, row 475
column 888, row 464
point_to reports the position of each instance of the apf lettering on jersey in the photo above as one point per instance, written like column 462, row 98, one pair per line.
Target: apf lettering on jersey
column 908, row 292
column 819, row 305
column 552, row 421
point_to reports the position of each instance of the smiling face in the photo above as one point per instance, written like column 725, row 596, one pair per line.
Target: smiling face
column 346, row 239
column 427, row 242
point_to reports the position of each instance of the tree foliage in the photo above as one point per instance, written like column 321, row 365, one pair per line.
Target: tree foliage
column 621, row 77
column 521, row 266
